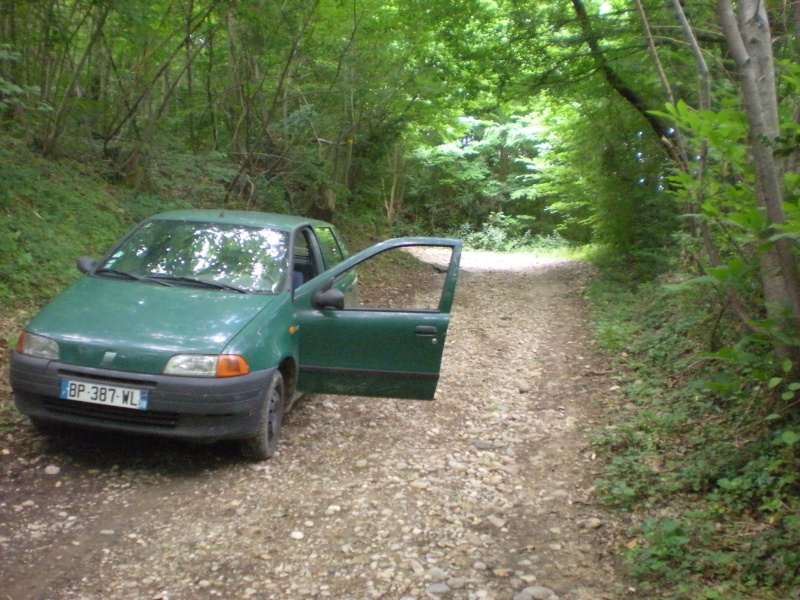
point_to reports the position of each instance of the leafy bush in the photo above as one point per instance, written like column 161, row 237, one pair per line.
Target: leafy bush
column 504, row 233
column 15, row 96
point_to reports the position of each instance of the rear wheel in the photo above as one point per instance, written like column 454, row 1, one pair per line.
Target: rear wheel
column 263, row 445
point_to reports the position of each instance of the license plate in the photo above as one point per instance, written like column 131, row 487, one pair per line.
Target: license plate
column 110, row 395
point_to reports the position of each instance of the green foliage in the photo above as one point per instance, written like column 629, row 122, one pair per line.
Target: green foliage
column 453, row 185
column 44, row 225
column 500, row 232
column 506, row 233
column 723, row 199
column 480, row 168
column 608, row 191
column 708, row 447
column 634, row 218
column 184, row 179
column 13, row 95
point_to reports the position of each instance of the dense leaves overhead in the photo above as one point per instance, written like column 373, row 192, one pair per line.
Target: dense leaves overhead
column 310, row 98
column 556, row 110
column 434, row 114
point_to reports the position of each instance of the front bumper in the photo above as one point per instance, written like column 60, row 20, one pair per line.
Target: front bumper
column 189, row 408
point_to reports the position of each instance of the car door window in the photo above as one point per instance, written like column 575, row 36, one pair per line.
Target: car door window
column 418, row 286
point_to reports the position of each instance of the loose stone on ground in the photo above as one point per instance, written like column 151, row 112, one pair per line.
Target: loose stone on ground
column 483, row 493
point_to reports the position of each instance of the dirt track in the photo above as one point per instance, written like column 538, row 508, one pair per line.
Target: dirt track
column 485, row 492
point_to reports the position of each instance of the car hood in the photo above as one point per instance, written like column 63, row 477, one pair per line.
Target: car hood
column 135, row 326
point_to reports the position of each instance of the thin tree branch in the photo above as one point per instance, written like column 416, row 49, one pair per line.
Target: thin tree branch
column 660, row 127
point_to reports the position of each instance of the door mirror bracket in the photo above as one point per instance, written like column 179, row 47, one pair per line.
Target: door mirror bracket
column 86, row 264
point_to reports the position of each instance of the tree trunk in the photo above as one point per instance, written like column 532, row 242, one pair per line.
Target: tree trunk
column 750, row 42
column 50, row 138
column 188, row 42
column 394, row 203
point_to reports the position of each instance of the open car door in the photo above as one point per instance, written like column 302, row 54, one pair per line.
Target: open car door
column 389, row 342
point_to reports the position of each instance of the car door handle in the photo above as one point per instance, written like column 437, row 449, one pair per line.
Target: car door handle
column 425, row 330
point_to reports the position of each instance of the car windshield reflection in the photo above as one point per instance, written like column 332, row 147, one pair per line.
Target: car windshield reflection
column 224, row 256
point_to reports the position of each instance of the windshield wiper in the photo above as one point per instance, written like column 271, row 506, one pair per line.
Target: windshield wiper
column 204, row 282
column 127, row 275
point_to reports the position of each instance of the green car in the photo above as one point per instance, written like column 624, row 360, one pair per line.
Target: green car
column 203, row 325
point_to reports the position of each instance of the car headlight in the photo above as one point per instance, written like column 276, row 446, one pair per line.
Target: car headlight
column 207, row 365
column 37, row 345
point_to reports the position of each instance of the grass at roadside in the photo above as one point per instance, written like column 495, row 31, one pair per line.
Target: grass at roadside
column 706, row 449
column 54, row 211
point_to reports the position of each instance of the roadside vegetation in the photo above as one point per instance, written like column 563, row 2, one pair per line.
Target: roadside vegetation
column 659, row 139
column 703, row 446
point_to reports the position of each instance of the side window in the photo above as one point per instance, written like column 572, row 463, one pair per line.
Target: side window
column 329, row 245
column 304, row 267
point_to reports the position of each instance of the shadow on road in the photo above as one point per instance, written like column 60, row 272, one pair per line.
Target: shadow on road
column 90, row 449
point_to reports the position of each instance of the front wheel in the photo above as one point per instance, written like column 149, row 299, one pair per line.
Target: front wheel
column 264, row 444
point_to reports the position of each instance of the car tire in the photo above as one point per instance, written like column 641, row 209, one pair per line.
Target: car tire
column 263, row 445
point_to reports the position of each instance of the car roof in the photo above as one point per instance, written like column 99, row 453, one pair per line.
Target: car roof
column 240, row 217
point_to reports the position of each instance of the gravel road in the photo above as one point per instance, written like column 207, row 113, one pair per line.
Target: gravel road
column 486, row 492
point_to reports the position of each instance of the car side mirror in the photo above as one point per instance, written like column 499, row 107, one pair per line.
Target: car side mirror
column 328, row 298
column 86, row 264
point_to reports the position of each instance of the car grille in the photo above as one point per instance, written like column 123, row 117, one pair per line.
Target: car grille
column 125, row 381
column 111, row 414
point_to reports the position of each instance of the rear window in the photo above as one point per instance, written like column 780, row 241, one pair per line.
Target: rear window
column 332, row 251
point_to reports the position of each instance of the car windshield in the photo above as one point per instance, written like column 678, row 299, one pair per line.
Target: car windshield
column 218, row 255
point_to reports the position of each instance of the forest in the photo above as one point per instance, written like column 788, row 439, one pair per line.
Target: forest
column 660, row 139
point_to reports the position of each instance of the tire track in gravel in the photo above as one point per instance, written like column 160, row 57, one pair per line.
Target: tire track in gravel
column 485, row 492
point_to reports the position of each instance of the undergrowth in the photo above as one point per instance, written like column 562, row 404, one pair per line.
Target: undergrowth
column 707, row 447
column 507, row 233
column 54, row 210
